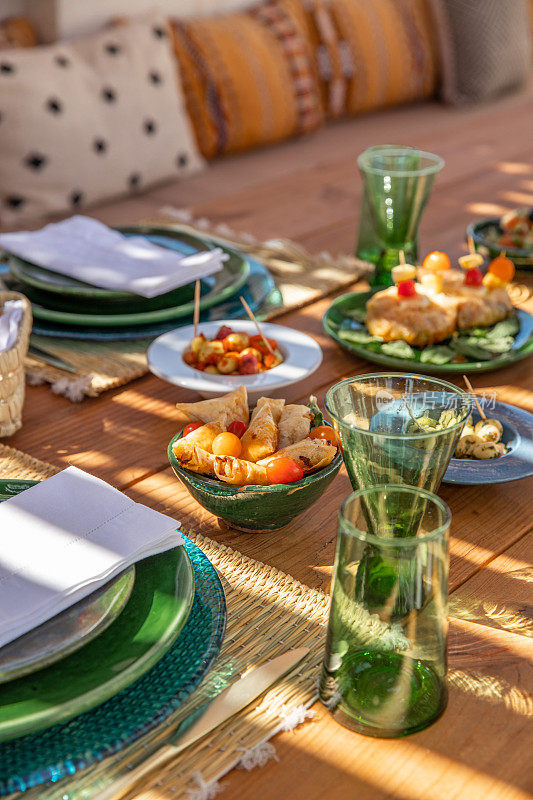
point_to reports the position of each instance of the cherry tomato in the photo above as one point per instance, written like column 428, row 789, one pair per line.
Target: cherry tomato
column 248, row 365
column 227, row 444
column 474, row 277
column 192, row 426
column 436, row 261
column 284, row 470
column 503, row 268
column 223, row 331
column 270, row 361
column 324, row 432
column 238, row 428
column 406, row 288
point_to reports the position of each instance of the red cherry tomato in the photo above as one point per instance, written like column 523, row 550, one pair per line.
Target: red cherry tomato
column 474, row 277
column 223, row 331
column 406, row 288
column 192, row 426
column 248, row 365
column 325, row 433
column 284, row 470
column 436, row 261
column 238, row 428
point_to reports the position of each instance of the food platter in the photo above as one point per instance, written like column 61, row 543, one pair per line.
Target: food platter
column 517, row 463
column 343, row 322
column 483, row 232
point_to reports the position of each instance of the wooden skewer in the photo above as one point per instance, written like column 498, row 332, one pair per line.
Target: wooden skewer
column 402, row 258
column 196, row 307
column 471, row 246
column 476, row 401
column 259, row 331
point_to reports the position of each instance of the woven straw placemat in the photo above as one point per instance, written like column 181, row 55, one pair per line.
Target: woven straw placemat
column 302, row 278
column 268, row 613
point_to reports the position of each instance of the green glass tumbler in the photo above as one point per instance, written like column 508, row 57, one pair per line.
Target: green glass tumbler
column 384, row 669
column 397, row 182
column 375, row 419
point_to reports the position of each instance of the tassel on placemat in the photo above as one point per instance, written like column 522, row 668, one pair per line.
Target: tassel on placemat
column 203, row 790
column 292, row 717
column 257, row 756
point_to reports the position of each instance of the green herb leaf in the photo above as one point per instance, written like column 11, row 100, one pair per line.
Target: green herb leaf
column 398, row 350
column 358, row 314
column 318, row 417
column 357, row 336
column 469, row 347
column 502, row 345
column 505, row 328
column 437, row 354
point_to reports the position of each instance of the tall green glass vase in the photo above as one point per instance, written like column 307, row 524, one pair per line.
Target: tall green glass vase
column 397, row 182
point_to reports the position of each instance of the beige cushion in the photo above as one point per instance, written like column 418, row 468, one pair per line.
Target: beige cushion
column 88, row 120
column 485, row 47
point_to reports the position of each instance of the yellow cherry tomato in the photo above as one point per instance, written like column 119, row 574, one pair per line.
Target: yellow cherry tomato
column 436, row 261
column 503, row 268
column 227, row 444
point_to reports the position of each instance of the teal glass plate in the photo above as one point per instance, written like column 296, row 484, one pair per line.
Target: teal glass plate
column 335, row 319
column 481, row 231
column 64, row 750
column 155, row 613
column 216, row 288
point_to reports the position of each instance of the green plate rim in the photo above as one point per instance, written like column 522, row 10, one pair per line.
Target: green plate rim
column 409, row 365
column 83, row 701
column 212, row 298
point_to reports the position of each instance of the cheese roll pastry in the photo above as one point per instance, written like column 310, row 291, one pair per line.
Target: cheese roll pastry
column 192, row 457
column 202, row 437
column 239, row 472
column 294, row 424
column 417, row 320
column 261, row 438
column 309, row 454
column 225, row 410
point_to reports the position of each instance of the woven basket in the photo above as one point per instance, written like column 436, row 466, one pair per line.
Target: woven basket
column 12, row 376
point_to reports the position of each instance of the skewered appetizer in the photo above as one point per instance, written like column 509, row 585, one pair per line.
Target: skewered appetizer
column 233, row 353
column 479, row 300
column 278, row 443
column 480, row 441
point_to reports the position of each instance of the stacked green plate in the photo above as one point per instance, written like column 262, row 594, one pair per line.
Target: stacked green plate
column 63, row 300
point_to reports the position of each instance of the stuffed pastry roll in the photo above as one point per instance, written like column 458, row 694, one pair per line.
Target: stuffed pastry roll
column 239, row 472
column 261, row 438
column 294, row 424
column 192, row 457
column 202, row 437
column 309, row 454
column 226, row 409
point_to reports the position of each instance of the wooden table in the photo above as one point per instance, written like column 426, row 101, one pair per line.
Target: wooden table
column 309, row 190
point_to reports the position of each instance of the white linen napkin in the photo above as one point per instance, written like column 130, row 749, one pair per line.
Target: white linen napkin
column 10, row 319
column 65, row 537
column 86, row 249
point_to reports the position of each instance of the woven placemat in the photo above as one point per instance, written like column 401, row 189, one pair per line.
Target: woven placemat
column 268, row 613
column 302, row 279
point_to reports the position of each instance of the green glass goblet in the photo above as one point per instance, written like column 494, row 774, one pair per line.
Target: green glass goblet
column 397, row 428
column 397, row 182
column 384, row 670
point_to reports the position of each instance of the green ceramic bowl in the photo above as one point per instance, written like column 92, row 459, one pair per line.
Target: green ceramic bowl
column 255, row 508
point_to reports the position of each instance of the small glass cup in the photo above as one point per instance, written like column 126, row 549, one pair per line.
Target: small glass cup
column 397, row 182
column 376, row 418
column 384, row 670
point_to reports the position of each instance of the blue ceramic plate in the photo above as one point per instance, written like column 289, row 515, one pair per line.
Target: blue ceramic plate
column 516, row 464
column 483, row 231
column 259, row 291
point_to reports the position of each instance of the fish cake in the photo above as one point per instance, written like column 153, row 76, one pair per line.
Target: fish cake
column 417, row 320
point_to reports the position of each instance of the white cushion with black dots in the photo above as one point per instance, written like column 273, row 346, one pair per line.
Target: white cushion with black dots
column 90, row 119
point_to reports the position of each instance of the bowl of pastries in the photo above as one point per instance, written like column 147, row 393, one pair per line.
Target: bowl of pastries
column 255, row 469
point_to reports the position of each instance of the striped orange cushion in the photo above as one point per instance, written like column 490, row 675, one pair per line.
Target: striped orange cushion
column 17, row 32
column 248, row 77
column 373, row 54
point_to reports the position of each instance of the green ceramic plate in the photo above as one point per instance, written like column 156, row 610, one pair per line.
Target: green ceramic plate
column 127, row 309
column 335, row 320
column 153, row 617
column 481, row 231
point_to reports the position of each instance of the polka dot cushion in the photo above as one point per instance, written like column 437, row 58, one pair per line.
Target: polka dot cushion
column 91, row 119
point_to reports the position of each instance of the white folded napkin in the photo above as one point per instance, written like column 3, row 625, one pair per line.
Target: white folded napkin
column 10, row 319
column 85, row 249
column 65, row 537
